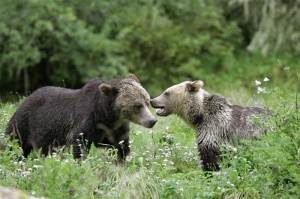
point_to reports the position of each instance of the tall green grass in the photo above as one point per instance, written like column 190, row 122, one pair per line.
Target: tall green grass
column 164, row 163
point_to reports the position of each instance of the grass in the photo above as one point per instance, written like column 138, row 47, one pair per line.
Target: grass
column 164, row 163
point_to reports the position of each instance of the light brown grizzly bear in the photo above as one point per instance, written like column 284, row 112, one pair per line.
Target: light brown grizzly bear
column 215, row 120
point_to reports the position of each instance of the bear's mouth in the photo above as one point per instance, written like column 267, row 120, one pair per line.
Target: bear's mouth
column 161, row 111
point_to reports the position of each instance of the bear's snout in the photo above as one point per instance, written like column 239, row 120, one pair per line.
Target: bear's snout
column 152, row 122
column 153, row 102
column 149, row 123
column 145, row 118
column 161, row 110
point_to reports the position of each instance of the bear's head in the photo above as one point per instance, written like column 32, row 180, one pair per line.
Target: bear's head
column 131, row 101
column 179, row 99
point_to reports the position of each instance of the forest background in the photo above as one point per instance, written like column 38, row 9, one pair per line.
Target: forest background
column 226, row 43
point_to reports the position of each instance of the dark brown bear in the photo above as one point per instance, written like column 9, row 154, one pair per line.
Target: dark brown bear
column 98, row 113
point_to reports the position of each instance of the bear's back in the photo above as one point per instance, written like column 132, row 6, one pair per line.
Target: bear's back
column 48, row 97
column 53, row 92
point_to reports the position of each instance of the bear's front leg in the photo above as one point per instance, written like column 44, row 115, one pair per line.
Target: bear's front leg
column 123, row 150
column 77, row 151
column 117, row 138
column 121, row 137
column 209, row 155
column 81, row 145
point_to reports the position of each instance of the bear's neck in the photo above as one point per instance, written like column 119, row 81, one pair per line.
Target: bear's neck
column 193, row 108
column 216, row 111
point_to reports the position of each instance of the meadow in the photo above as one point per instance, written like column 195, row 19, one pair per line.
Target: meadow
column 164, row 162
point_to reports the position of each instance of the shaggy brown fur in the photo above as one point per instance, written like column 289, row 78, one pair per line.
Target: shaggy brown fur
column 214, row 119
column 52, row 117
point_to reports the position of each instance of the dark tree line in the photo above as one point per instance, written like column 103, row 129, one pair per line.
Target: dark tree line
column 68, row 42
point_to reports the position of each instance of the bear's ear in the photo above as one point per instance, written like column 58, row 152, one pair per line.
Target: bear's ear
column 194, row 86
column 107, row 89
column 132, row 76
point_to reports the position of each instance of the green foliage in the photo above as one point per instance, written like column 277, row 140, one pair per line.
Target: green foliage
column 160, row 44
column 44, row 42
column 271, row 165
column 66, row 43
column 283, row 72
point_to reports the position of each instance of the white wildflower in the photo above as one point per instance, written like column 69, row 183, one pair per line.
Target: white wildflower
column 36, row 166
column 26, row 173
column 129, row 158
column 98, row 191
column 137, row 175
column 266, row 79
column 257, row 82
column 21, row 163
column 261, row 90
column 218, row 173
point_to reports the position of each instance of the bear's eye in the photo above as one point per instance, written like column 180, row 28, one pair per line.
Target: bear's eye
column 138, row 106
column 167, row 94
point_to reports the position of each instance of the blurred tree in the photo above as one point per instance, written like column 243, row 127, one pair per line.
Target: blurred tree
column 164, row 40
column 69, row 42
column 269, row 26
column 45, row 43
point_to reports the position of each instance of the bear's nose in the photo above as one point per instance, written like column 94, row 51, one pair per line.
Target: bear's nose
column 152, row 101
column 152, row 122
